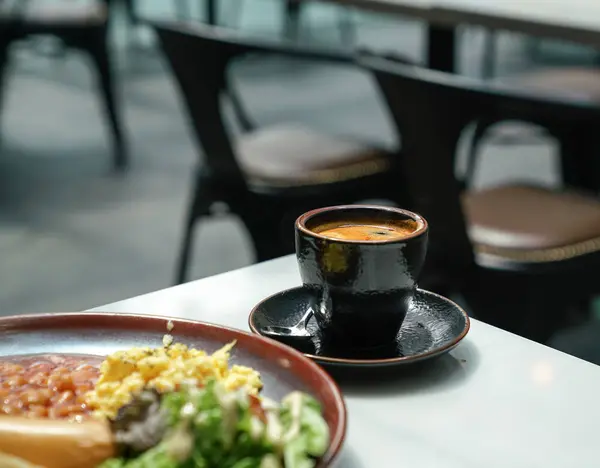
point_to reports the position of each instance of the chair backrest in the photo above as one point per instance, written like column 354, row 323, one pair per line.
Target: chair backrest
column 431, row 109
column 199, row 56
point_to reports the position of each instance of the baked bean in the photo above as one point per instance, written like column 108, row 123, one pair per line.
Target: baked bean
column 36, row 396
column 64, row 411
column 39, row 378
column 51, row 387
column 16, row 381
column 10, row 410
column 60, row 382
column 65, row 397
column 37, row 411
column 14, row 399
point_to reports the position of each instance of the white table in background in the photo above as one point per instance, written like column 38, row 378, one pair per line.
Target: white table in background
column 570, row 20
column 496, row 401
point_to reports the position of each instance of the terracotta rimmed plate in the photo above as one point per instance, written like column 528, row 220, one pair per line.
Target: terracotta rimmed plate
column 282, row 368
column 433, row 326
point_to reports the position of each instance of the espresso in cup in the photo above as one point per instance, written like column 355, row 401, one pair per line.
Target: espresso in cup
column 368, row 232
column 362, row 263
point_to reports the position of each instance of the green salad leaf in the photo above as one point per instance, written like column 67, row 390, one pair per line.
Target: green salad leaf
column 172, row 403
column 307, row 431
column 156, row 457
column 211, row 427
column 295, row 454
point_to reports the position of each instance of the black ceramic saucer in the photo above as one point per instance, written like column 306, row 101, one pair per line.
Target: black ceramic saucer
column 433, row 326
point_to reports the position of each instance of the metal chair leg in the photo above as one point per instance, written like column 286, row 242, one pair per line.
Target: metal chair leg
column 131, row 13
column 211, row 12
column 347, row 27
column 199, row 207
column 266, row 235
column 3, row 72
column 184, row 253
column 579, row 149
column 293, row 10
column 490, row 52
column 473, row 154
column 98, row 49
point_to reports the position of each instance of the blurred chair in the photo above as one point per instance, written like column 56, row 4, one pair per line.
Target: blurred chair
column 269, row 175
column 568, row 82
column 82, row 26
column 130, row 9
column 524, row 257
column 578, row 141
column 490, row 54
column 491, row 38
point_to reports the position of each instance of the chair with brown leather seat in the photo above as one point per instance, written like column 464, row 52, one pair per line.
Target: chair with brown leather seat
column 269, row 175
column 524, row 257
column 82, row 26
column 578, row 143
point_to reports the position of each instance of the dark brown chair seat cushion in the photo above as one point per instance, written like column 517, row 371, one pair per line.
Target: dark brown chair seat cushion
column 292, row 155
column 532, row 224
column 575, row 83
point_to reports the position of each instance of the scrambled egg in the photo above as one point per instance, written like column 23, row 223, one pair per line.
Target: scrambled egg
column 125, row 373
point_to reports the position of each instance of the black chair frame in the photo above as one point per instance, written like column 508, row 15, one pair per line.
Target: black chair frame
column 90, row 38
column 431, row 110
column 200, row 57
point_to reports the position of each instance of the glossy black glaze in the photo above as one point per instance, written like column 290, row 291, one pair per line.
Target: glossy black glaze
column 361, row 289
column 433, row 326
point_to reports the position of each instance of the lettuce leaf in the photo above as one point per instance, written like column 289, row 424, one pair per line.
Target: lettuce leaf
column 172, row 403
column 222, row 431
column 307, row 430
column 227, row 432
column 156, row 457
column 295, row 454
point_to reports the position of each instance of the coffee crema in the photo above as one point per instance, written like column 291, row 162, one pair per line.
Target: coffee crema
column 369, row 232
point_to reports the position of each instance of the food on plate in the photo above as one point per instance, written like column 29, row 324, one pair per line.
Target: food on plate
column 215, row 427
column 56, row 444
column 125, row 373
column 166, row 407
column 9, row 461
column 48, row 386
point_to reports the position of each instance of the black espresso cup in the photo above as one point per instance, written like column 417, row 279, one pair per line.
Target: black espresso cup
column 362, row 263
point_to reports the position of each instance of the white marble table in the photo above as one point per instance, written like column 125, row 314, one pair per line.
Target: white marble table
column 497, row 400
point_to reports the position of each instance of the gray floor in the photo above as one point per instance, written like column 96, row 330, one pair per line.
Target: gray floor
column 73, row 236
